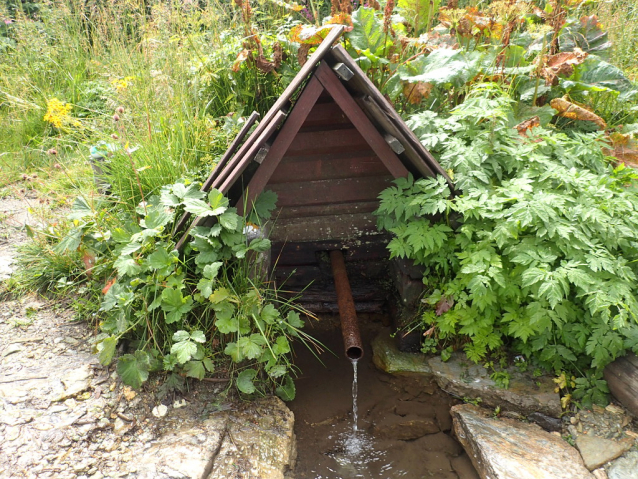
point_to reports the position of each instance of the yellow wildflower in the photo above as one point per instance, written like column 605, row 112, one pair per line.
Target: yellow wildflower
column 121, row 84
column 57, row 112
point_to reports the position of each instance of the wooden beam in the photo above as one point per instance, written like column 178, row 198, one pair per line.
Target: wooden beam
column 289, row 131
column 233, row 147
column 363, row 84
column 359, row 119
column 220, row 165
column 240, row 166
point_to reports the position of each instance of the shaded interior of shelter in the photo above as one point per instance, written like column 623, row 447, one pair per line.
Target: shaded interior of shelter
column 327, row 185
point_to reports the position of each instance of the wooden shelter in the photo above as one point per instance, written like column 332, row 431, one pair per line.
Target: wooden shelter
column 328, row 146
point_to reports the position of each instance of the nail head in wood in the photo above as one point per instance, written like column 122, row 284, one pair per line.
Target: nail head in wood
column 343, row 71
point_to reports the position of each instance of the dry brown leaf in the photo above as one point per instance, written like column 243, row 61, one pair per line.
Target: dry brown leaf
column 524, row 126
column 302, row 53
column 561, row 64
column 241, row 58
column 624, row 148
column 415, row 93
column 570, row 110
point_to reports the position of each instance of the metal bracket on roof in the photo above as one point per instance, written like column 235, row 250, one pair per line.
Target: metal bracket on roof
column 343, row 71
column 261, row 154
column 394, row 143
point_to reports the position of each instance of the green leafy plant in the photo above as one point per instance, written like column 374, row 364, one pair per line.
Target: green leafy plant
column 536, row 250
column 206, row 310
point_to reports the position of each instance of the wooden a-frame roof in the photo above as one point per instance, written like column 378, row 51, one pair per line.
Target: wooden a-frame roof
column 246, row 168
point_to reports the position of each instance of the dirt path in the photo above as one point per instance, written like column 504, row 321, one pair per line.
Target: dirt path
column 63, row 415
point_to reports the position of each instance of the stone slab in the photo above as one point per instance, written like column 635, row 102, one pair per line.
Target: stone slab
column 259, row 443
column 598, row 451
column 388, row 358
column 625, row 467
column 509, row 449
column 525, row 395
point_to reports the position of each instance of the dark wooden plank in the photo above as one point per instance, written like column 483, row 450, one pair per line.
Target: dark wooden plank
column 359, row 119
column 297, row 116
column 295, row 171
column 321, row 228
column 325, row 210
column 326, row 114
column 315, row 142
column 241, row 165
column 330, row 191
column 369, row 248
column 362, row 83
column 181, row 224
column 332, row 155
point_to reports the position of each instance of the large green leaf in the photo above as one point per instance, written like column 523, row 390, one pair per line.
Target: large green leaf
column 175, row 303
column 106, row 350
column 596, row 75
column 443, row 67
column 218, row 202
column 156, row 216
column 195, row 369
column 418, row 13
column 287, row 390
column 586, row 34
column 184, row 350
column 126, row 265
column 367, row 32
column 133, row 368
column 245, row 381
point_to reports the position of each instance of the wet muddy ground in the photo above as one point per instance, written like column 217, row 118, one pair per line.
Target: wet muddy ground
column 404, row 425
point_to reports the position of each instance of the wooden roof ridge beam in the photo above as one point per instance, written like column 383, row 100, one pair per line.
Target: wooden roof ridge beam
column 278, row 149
column 339, row 54
column 360, row 120
column 241, row 164
column 231, row 150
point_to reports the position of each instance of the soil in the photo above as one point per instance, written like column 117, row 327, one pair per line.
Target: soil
column 404, row 424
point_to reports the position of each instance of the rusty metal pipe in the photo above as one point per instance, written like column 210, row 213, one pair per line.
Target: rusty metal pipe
column 347, row 312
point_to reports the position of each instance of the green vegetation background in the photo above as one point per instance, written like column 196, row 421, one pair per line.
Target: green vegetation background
column 530, row 106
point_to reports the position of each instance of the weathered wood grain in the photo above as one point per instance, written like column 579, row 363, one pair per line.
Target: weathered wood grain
column 330, row 191
column 622, row 379
column 344, row 99
column 327, row 169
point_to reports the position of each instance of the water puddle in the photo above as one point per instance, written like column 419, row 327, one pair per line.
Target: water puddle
column 355, row 422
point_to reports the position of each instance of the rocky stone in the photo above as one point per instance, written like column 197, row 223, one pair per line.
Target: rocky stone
column 525, row 395
column 463, row 467
column 506, row 449
column 546, row 422
column 405, row 428
column 388, row 358
column 76, row 381
column 160, row 411
column 259, row 443
column 625, row 467
column 178, row 454
column 597, row 451
column 121, row 427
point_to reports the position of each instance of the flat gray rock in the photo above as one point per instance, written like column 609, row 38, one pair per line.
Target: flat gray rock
column 597, row 451
column 625, row 467
column 525, row 395
column 508, row 449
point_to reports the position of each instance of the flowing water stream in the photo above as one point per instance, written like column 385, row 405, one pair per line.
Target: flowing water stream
column 356, row 422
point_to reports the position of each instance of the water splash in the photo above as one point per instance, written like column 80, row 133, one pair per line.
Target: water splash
column 355, row 391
